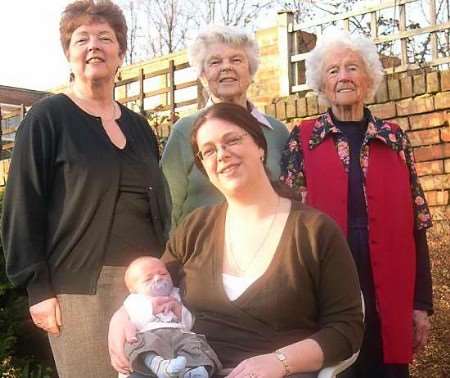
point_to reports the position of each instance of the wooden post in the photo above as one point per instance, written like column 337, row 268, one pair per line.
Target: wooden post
column 23, row 110
column 373, row 25
column 285, row 22
column 403, row 41
column 433, row 37
column 1, row 133
column 141, row 91
column 172, row 91
column 347, row 24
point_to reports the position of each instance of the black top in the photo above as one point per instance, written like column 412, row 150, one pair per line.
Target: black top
column 62, row 190
column 354, row 132
column 132, row 234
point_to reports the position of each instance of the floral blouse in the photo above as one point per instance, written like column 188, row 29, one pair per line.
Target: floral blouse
column 292, row 170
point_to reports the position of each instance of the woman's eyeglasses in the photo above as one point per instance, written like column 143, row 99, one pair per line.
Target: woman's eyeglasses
column 210, row 151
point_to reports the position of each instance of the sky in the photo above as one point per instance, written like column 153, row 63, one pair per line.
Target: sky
column 31, row 55
column 30, row 52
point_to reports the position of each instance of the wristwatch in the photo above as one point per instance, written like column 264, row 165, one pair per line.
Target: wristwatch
column 282, row 357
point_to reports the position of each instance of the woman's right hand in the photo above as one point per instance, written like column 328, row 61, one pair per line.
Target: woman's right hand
column 47, row 315
column 121, row 330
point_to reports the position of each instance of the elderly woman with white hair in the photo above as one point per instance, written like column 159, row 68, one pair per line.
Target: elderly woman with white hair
column 360, row 170
column 226, row 60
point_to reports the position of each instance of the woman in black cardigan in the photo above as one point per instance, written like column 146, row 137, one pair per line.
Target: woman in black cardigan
column 85, row 195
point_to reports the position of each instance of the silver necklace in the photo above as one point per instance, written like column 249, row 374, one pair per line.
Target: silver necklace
column 84, row 104
column 255, row 254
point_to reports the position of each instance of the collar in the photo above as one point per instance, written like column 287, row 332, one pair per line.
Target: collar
column 376, row 129
column 260, row 117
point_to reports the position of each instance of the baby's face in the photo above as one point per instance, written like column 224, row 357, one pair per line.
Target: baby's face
column 152, row 278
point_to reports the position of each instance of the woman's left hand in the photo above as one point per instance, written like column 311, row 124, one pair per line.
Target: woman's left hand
column 120, row 331
column 263, row 366
column 422, row 328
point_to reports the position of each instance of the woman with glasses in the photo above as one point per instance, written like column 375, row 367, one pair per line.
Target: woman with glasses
column 270, row 281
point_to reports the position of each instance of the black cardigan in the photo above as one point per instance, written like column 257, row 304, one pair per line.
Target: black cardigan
column 62, row 188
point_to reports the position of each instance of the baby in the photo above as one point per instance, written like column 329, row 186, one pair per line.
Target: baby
column 165, row 346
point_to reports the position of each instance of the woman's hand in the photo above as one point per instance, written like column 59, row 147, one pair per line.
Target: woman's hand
column 263, row 366
column 121, row 330
column 47, row 315
column 422, row 328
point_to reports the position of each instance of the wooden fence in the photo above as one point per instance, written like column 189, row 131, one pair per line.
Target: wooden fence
column 163, row 88
column 397, row 37
column 11, row 115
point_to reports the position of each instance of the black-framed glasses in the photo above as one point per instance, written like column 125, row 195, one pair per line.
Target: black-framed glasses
column 210, row 151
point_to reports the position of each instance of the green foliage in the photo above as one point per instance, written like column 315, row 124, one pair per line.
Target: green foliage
column 13, row 314
column 161, row 124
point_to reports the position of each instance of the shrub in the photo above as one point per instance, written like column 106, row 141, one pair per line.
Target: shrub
column 15, row 360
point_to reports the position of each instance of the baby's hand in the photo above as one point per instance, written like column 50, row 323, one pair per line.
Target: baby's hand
column 161, row 304
column 175, row 307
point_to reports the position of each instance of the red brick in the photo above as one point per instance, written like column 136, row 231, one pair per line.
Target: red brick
column 281, row 110
column 433, row 82
column 312, row 104
column 382, row 92
column 419, row 84
column 384, row 111
column 406, row 85
column 424, row 137
column 442, row 100
column 291, row 107
column 394, row 89
column 402, row 122
column 270, row 110
column 437, row 197
column 436, row 152
column 436, row 182
column 301, row 107
column 445, row 134
column 425, row 121
column 447, row 165
column 322, row 107
column 421, row 104
column 445, row 80
column 434, row 167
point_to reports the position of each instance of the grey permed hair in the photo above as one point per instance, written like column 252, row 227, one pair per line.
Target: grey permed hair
column 227, row 35
column 332, row 38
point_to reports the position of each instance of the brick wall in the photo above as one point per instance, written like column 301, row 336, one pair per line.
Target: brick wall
column 420, row 104
column 266, row 84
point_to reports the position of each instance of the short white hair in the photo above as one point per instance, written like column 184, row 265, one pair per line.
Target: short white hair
column 227, row 35
column 332, row 38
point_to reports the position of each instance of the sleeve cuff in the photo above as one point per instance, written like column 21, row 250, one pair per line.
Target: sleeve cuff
column 424, row 307
column 39, row 291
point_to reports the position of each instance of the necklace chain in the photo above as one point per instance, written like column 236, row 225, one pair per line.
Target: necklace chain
column 255, row 254
column 84, row 104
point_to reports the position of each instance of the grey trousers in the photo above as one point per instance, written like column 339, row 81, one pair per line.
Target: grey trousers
column 81, row 350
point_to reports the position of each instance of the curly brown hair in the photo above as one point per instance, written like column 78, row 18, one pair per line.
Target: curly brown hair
column 88, row 11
